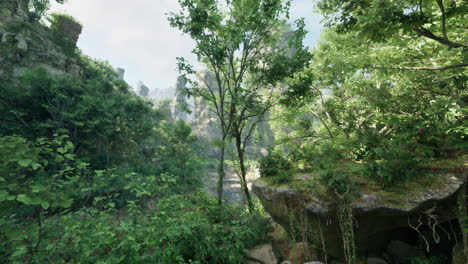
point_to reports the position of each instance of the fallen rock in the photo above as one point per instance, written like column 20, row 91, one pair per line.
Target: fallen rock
column 263, row 253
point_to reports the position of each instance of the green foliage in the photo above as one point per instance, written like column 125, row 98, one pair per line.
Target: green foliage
column 177, row 229
column 387, row 98
column 273, row 164
column 38, row 8
column 73, row 148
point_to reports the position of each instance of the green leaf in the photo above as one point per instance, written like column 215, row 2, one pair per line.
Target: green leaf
column 69, row 145
column 66, row 203
column 3, row 195
column 37, row 188
column 99, row 198
column 24, row 199
column 62, row 150
column 45, row 205
column 35, row 165
column 36, row 201
column 25, row 162
column 20, row 251
column 59, row 158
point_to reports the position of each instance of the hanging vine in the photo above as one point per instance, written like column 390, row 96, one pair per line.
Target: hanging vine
column 462, row 212
column 346, row 222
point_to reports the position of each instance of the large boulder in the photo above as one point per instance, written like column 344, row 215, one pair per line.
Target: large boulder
column 377, row 212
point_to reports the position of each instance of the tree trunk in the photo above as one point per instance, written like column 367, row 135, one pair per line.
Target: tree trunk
column 221, row 172
column 243, row 173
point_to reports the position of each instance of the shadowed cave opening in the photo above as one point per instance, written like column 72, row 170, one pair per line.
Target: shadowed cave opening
column 430, row 244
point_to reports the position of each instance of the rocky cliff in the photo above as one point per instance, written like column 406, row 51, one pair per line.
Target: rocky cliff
column 25, row 45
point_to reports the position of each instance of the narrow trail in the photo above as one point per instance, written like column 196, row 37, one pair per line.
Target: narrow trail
column 232, row 191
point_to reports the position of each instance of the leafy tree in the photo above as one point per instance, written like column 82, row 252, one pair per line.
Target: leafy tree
column 440, row 21
column 38, row 8
column 239, row 41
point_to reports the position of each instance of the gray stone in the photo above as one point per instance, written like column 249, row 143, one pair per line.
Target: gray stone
column 22, row 44
column 180, row 100
column 314, row 262
column 142, row 90
column 70, row 27
column 263, row 253
column 121, row 73
column 286, row 262
column 375, row 261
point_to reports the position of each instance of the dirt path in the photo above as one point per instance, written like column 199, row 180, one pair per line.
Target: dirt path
column 232, row 191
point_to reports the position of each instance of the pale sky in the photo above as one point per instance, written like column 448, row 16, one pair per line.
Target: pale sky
column 135, row 35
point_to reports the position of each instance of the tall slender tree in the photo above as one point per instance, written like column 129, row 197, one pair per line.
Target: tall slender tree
column 240, row 42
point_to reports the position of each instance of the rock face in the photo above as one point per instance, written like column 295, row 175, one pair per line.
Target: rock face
column 378, row 214
column 180, row 100
column 70, row 27
column 142, row 90
column 121, row 73
column 26, row 45
column 205, row 122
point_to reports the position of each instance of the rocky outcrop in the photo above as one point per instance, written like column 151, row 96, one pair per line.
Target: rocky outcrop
column 121, row 73
column 379, row 215
column 70, row 27
column 26, row 45
column 205, row 122
column 142, row 90
column 180, row 104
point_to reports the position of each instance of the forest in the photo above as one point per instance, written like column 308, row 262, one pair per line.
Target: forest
column 91, row 172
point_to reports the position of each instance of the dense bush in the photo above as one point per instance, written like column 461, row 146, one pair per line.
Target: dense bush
column 177, row 229
column 74, row 151
column 272, row 163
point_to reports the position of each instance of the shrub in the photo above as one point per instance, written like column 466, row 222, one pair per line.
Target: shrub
column 273, row 163
column 178, row 229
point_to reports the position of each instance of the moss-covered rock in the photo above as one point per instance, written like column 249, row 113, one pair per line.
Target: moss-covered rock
column 26, row 45
column 377, row 212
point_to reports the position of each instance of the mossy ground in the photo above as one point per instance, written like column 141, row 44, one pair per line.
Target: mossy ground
column 308, row 181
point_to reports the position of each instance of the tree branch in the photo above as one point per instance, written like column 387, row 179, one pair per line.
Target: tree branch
column 428, row 34
column 443, row 24
column 435, row 68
